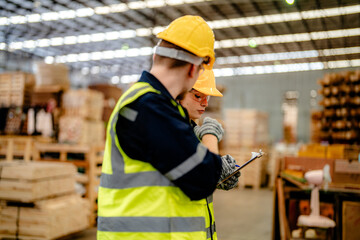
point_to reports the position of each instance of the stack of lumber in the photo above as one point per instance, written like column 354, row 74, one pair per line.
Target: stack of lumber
column 88, row 160
column 246, row 131
column 15, row 88
column 315, row 126
column 112, row 94
column 246, row 127
column 50, row 75
column 38, row 201
column 81, row 122
column 341, row 107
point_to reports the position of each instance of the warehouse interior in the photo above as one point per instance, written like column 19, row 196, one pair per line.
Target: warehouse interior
column 289, row 73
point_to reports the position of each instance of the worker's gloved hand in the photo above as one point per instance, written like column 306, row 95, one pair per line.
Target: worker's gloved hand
column 209, row 126
column 228, row 166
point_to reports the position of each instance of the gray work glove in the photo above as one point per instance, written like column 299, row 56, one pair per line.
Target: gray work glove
column 228, row 166
column 209, row 126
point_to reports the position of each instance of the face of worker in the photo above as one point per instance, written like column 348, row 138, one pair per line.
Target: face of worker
column 195, row 103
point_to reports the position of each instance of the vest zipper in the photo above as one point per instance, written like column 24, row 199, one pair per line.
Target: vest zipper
column 210, row 217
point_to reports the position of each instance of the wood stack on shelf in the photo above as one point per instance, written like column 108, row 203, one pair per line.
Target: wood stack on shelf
column 88, row 160
column 341, row 107
column 37, row 201
column 81, row 122
column 111, row 96
column 246, row 131
column 50, row 75
column 15, row 88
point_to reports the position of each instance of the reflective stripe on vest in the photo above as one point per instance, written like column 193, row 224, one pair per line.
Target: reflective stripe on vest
column 121, row 173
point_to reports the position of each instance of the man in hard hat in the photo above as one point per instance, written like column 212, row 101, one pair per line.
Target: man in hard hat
column 156, row 175
column 211, row 131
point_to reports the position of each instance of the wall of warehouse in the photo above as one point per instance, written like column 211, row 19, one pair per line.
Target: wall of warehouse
column 266, row 93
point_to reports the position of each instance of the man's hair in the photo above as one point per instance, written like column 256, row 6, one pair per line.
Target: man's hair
column 169, row 62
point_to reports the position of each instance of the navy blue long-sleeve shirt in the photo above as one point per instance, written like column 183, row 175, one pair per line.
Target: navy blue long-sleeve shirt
column 165, row 139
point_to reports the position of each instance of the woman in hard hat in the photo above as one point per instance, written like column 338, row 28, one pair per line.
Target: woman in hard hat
column 197, row 99
column 211, row 131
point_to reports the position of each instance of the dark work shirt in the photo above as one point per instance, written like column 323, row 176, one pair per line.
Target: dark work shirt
column 162, row 137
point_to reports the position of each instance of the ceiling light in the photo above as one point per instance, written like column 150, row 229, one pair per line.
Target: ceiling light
column 156, row 30
column 4, row 21
column 137, row 5
column 146, row 51
column 49, row 60
column 71, row 58
column 115, row 80
column 129, row 78
column 127, row 34
column 43, row 42
column 103, row 10
column 121, row 7
column 174, row 2
column 16, row 45
column 134, row 52
column 33, row 18
column 50, row 16
column 95, row 70
column 84, row 38
column 96, row 55
column 108, row 54
column 112, row 35
column 155, row 3
column 143, row 32
column 18, row 19
column 57, row 41
column 67, row 14
column 70, row 40
column 83, row 57
column 29, row 44
column 85, row 71
column 120, row 53
column 290, row 2
column 97, row 37
column 84, row 12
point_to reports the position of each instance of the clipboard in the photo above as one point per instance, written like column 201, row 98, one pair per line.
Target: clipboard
column 254, row 155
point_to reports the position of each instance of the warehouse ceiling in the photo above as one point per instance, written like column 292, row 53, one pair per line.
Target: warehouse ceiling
column 114, row 38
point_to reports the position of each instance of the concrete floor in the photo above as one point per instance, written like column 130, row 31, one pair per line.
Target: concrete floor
column 241, row 214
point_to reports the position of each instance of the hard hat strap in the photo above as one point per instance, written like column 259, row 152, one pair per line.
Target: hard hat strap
column 178, row 54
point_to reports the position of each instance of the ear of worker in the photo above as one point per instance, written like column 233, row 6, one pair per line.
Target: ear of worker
column 228, row 167
column 209, row 126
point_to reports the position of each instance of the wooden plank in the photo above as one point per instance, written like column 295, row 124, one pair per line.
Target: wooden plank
column 351, row 220
column 284, row 227
column 35, row 170
column 30, row 191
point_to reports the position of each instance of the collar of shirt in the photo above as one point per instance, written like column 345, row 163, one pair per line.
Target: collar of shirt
column 155, row 83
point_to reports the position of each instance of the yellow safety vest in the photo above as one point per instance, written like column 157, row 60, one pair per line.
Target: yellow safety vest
column 136, row 201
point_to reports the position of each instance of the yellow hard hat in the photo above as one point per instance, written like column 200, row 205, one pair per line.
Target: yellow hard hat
column 206, row 84
column 191, row 33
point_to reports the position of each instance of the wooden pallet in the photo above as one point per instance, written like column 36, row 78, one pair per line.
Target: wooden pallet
column 85, row 157
column 16, row 146
column 44, row 220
